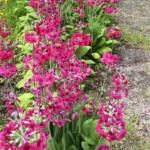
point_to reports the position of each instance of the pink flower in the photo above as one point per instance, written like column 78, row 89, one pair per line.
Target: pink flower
column 120, row 86
column 116, row 80
column 56, row 78
column 93, row 2
column 116, row 94
column 80, row 11
column 109, row 59
column 80, row 1
column 111, row 125
column 80, row 39
column 89, row 108
column 109, row 9
column 8, row 70
column 31, row 37
column 6, row 54
column 28, row 146
column 115, row 1
column 103, row 147
column 75, row 115
column 27, row 61
column 113, row 33
column 3, row 33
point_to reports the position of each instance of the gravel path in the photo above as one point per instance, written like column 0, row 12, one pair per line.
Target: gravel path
column 136, row 64
column 135, row 14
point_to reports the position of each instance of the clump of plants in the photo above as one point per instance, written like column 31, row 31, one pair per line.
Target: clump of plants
column 48, row 108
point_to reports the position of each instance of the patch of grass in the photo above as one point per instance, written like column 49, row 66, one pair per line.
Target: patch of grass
column 135, row 37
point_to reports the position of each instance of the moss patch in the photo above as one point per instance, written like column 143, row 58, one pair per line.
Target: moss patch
column 135, row 38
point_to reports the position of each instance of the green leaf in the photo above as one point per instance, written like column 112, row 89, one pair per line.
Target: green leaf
column 30, row 9
column 104, row 49
column 102, row 141
column 24, row 18
column 69, row 27
column 81, row 51
column 112, row 42
column 73, row 147
column 100, row 35
column 82, row 86
column 96, row 55
column 25, row 99
column 85, row 146
column 93, row 72
column 86, row 126
column 89, row 132
column 26, row 77
column 20, row 65
column 89, row 140
column 89, row 62
column 27, row 48
column 100, row 43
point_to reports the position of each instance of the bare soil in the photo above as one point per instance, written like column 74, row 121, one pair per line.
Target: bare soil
column 135, row 14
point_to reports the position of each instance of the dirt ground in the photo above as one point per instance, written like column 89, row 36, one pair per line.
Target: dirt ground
column 135, row 14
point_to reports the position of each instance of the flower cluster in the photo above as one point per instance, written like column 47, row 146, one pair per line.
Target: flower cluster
column 109, row 6
column 57, row 74
column 111, row 124
column 80, row 39
column 4, row 29
column 113, row 33
column 42, row 6
column 80, row 11
column 27, row 134
column 103, row 147
column 56, row 77
column 120, row 83
column 109, row 59
column 7, row 68
column 54, row 64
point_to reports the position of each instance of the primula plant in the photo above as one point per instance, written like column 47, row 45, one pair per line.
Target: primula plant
column 48, row 107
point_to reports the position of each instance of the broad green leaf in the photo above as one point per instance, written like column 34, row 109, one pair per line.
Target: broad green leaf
column 53, row 145
column 104, row 49
column 96, row 55
column 30, row 9
column 27, row 48
column 20, row 65
column 85, row 146
column 89, row 62
column 24, row 18
column 73, row 147
column 26, row 77
column 86, row 126
column 100, row 35
column 89, row 132
column 25, row 99
column 89, row 140
column 69, row 26
column 93, row 72
column 112, row 42
column 102, row 141
column 100, row 43
column 82, row 86
column 81, row 51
